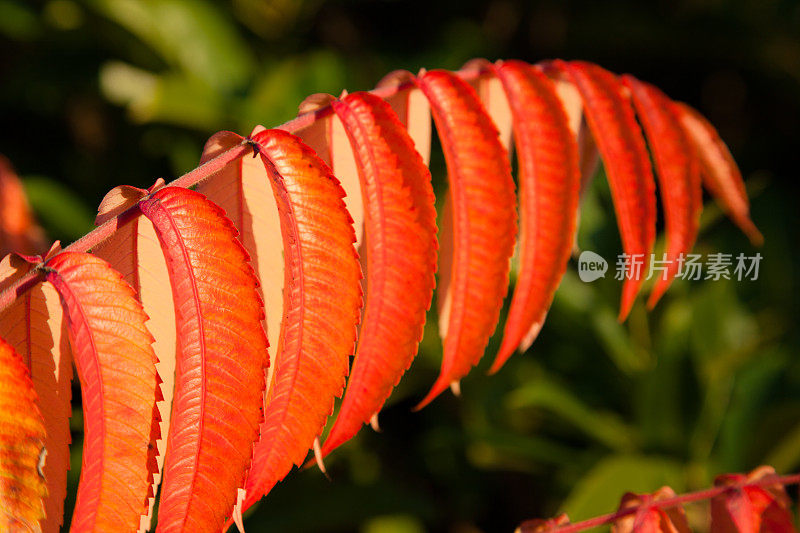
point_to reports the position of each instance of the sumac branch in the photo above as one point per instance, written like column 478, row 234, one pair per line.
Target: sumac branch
column 254, row 289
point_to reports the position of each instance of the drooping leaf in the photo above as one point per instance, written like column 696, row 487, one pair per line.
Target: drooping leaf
column 401, row 257
column 19, row 232
column 619, row 138
column 649, row 518
column 321, row 308
column 34, row 325
column 222, row 354
column 721, row 176
column 244, row 191
column 678, row 176
column 22, row 446
column 751, row 509
column 116, row 366
column 134, row 251
column 484, row 223
column 549, row 180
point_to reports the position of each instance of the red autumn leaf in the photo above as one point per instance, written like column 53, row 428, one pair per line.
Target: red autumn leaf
column 650, row 518
column 549, row 179
column 747, row 508
column 613, row 124
column 116, row 367
column 401, row 257
column 222, row 353
column 678, row 176
column 721, row 175
column 34, row 326
column 22, row 446
column 483, row 221
column 321, row 309
column 19, row 232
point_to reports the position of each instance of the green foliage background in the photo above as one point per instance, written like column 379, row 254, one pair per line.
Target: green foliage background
column 97, row 93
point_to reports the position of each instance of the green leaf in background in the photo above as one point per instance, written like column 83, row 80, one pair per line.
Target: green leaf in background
column 600, row 490
column 170, row 98
column 193, row 36
column 393, row 524
column 64, row 214
column 606, row 428
column 17, row 21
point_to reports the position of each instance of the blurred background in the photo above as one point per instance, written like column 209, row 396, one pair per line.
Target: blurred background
column 98, row 93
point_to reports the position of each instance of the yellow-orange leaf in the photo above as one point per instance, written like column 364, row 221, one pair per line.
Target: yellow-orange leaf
column 22, row 450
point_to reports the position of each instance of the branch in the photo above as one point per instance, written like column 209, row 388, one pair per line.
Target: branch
column 707, row 494
column 192, row 178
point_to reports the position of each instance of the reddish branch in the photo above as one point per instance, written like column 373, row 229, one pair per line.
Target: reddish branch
column 707, row 494
column 208, row 169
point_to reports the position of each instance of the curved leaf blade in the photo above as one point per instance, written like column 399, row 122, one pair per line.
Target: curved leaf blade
column 619, row 138
column 549, row 178
column 22, row 446
column 401, row 257
column 116, row 367
column 678, row 176
column 222, row 354
column 484, row 222
column 134, row 252
column 720, row 174
column 321, row 310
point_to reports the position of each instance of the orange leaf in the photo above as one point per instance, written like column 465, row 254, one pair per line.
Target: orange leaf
column 678, row 176
column 401, row 257
column 619, row 138
column 35, row 327
column 750, row 509
column 549, row 179
column 483, row 220
column 721, row 175
column 19, row 232
column 134, row 251
column 321, row 308
column 222, row 353
column 22, row 446
column 649, row 518
column 116, row 367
